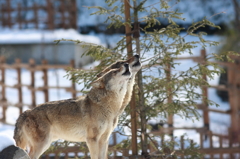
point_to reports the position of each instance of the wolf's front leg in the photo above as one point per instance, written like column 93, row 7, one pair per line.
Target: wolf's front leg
column 103, row 150
column 103, row 145
column 93, row 147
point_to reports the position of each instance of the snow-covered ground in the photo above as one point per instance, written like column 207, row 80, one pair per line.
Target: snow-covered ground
column 218, row 123
column 15, row 36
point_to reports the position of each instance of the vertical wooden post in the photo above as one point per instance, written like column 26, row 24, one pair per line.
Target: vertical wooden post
column 9, row 10
column 210, row 142
column 182, row 145
column 125, row 153
column 221, row 145
column 62, row 12
column 19, row 20
column 201, row 140
column 2, row 19
column 169, row 98
column 19, row 87
column 4, row 99
column 141, row 100
column 32, row 73
column 35, row 10
column 205, row 94
column 45, row 81
column 74, row 94
column 234, row 102
column 210, row 139
column 57, row 156
column 66, row 156
column 230, row 139
column 73, row 14
column 2, row 15
column 50, row 11
column 132, row 102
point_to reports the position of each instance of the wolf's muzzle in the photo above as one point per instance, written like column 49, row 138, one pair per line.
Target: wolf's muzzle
column 137, row 62
column 127, row 72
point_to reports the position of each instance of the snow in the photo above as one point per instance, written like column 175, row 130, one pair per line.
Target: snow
column 6, row 138
column 9, row 36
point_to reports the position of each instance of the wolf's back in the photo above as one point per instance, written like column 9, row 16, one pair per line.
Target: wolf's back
column 18, row 131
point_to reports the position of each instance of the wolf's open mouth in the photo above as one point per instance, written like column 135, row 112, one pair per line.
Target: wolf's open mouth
column 127, row 72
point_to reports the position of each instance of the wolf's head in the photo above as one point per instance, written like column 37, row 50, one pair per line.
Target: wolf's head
column 114, row 78
column 134, row 64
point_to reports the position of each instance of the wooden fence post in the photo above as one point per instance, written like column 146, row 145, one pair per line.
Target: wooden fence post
column 19, row 18
column 125, row 153
column 66, row 155
column 201, row 140
column 19, row 84
column 74, row 93
column 73, row 14
column 182, row 146
column 50, row 11
column 62, row 12
column 2, row 19
column 3, row 99
column 221, row 145
column 210, row 143
column 45, row 81
column 205, row 93
column 234, row 103
column 9, row 11
column 32, row 85
column 35, row 11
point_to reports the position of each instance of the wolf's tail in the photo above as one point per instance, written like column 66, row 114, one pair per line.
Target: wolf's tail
column 19, row 135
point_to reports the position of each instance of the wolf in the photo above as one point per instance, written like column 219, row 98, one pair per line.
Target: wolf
column 135, row 66
column 89, row 118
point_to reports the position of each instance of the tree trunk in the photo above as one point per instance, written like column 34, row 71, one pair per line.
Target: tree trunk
column 130, row 53
column 136, row 35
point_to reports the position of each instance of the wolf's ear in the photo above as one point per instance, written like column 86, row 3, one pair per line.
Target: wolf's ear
column 98, row 83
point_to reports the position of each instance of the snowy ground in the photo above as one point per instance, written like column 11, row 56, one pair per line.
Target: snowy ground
column 15, row 36
column 219, row 122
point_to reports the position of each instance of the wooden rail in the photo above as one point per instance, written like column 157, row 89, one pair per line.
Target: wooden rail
column 67, row 11
column 32, row 68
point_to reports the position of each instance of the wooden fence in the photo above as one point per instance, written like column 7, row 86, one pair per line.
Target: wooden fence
column 50, row 14
column 228, row 145
column 32, row 68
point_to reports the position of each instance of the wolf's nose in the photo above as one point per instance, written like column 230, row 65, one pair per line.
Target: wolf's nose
column 136, row 56
column 126, row 65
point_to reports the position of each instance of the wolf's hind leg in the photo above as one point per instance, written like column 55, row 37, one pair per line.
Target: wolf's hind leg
column 39, row 148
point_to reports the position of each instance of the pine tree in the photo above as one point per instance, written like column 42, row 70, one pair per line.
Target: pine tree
column 159, row 93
